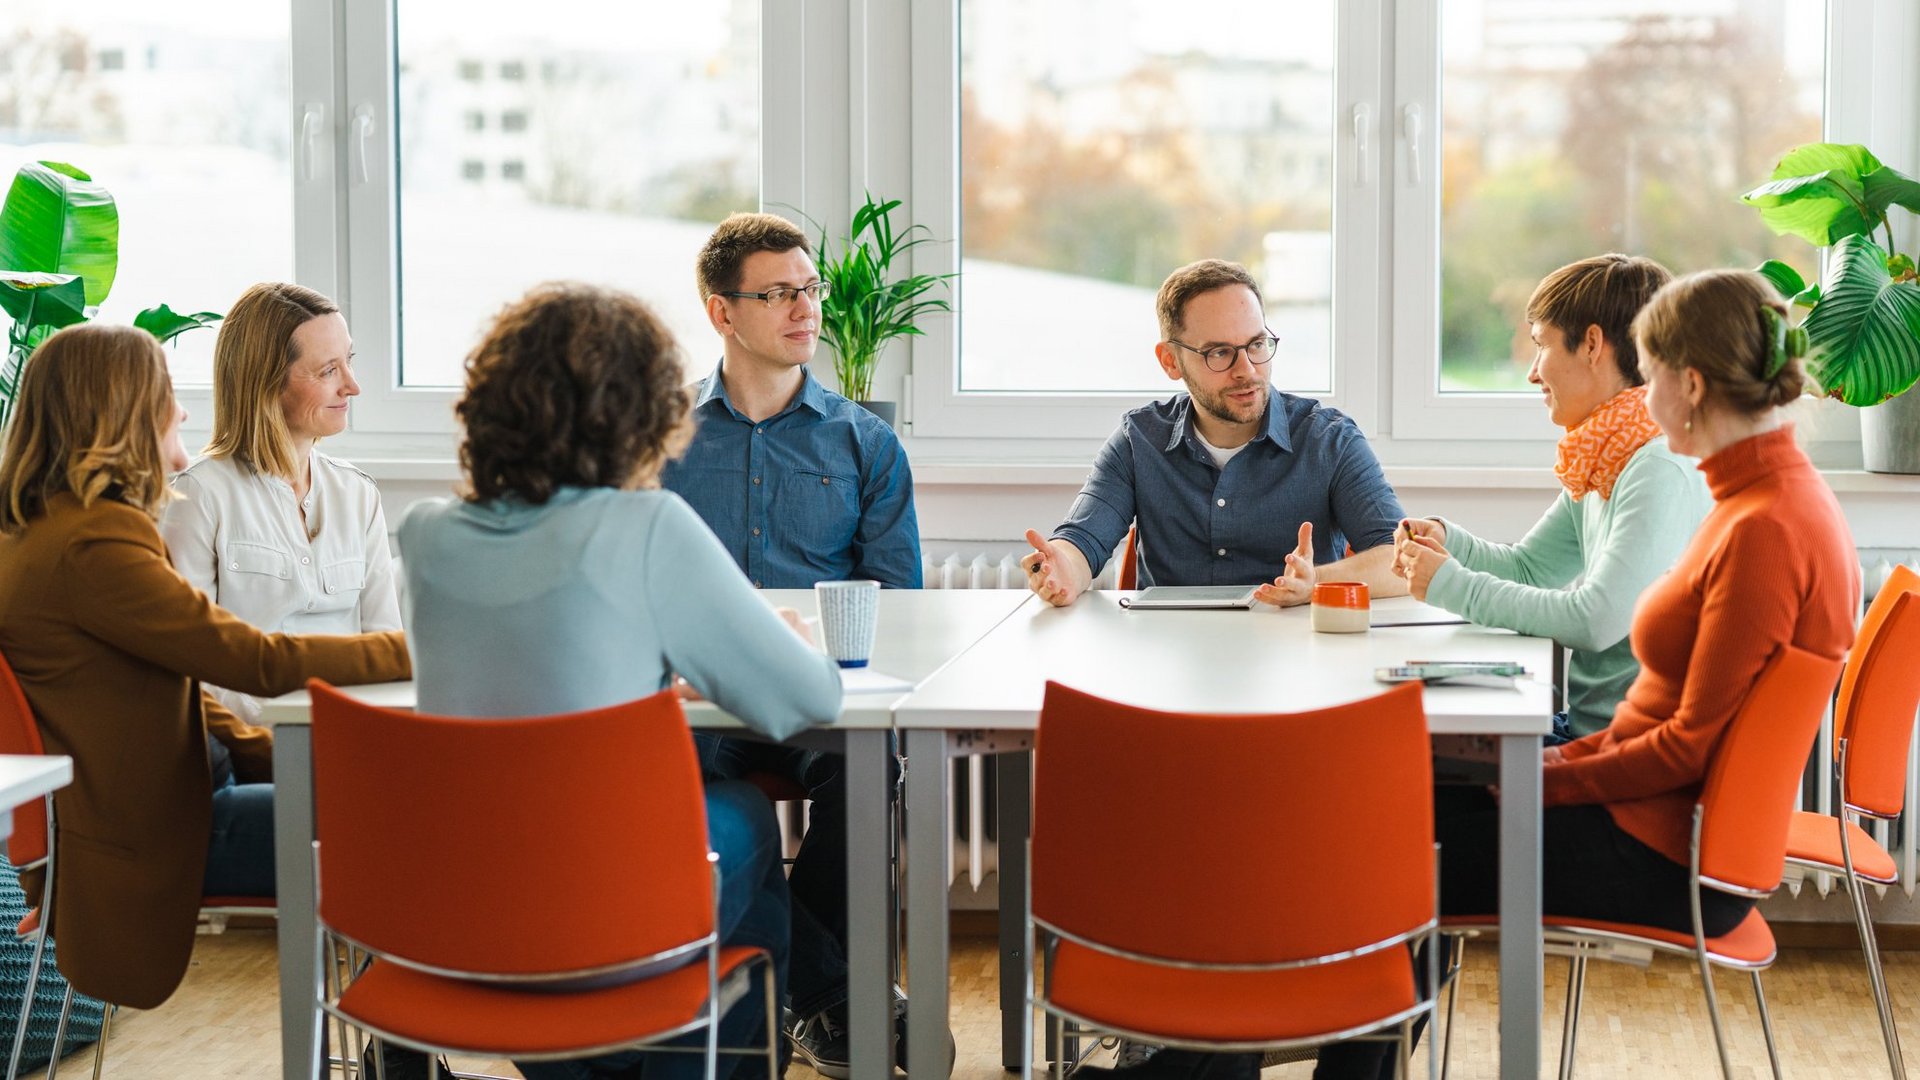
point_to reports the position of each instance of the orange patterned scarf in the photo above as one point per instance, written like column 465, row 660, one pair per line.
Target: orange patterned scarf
column 1593, row 452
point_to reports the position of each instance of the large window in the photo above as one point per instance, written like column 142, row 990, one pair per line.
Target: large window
column 567, row 139
column 1103, row 144
column 181, row 111
column 1606, row 125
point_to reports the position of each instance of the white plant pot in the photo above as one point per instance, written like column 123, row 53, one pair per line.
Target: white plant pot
column 1890, row 434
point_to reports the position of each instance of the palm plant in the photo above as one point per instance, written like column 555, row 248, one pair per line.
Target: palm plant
column 864, row 309
column 1864, row 319
column 59, row 253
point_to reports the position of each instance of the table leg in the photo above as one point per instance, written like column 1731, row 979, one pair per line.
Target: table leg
column 300, row 1034
column 869, row 898
column 929, row 809
column 1522, row 960
column 1013, row 779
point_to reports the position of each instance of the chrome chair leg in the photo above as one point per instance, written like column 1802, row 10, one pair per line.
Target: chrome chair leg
column 1456, row 958
column 1766, row 1024
column 1403, row 1053
column 100, row 1048
column 773, row 1021
column 1713, row 1014
column 60, row 1033
column 26, row 1005
column 1570, row 1019
column 379, row 1060
column 1876, row 974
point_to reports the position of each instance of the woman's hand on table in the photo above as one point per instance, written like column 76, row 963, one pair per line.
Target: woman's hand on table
column 1419, row 558
column 798, row 623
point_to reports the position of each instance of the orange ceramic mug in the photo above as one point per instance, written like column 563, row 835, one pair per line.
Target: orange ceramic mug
column 1340, row 607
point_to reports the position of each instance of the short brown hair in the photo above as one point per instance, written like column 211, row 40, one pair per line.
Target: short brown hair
column 1606, row 291
column 1712, row 322
column 1190, row 281
column 94, row 401
column 718, row 266
column 573, row 386
column 251, row 360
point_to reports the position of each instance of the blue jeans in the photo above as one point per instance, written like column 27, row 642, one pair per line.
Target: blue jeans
column 753, row 912
column 240, row 846
column 819, row 876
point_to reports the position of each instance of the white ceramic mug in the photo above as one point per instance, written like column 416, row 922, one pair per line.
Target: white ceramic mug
column 849, row 614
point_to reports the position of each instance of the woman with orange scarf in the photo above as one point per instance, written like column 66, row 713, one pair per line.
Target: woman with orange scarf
column 1627, row 508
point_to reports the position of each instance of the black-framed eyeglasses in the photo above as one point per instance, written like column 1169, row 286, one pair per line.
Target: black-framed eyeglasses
column 1223, row 357
column 783, row 295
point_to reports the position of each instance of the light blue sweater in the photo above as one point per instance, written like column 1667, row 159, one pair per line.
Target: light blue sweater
column 1577, row 574
column 595, row 598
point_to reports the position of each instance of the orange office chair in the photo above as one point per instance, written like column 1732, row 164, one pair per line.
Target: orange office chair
column 1874, row 718
column 1129, row 576
column 1739, row 846
column 1266, row 924
column 604, row 813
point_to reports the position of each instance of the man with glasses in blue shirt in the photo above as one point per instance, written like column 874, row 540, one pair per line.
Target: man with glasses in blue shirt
column 1230, row 483
column 801, row 486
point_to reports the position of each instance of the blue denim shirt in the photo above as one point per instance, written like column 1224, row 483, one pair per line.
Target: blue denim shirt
column 820, row 492
column 1202, row 525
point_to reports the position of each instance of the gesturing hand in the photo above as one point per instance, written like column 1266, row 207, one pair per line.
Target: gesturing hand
column 1410, row 528
column 1295, row 583
column 1043, row 570
column 1420, row 557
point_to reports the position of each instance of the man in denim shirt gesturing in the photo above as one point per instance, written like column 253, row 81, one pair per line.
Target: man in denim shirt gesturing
column 1230, row 482
column 801, row 486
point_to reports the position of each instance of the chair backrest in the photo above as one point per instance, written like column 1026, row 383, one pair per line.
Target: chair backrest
column 1755, row 774
column 1902, row 581
column 1885, row 696
column 1129, row 576
column 1250, row 839
column 19, row 734
column 511, row 848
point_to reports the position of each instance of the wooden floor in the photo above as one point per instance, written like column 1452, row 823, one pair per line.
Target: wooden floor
column 224, row 1022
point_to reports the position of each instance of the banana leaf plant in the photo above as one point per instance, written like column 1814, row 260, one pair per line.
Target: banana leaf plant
column 1863, row 317
column 864, row 307
column 59, row 254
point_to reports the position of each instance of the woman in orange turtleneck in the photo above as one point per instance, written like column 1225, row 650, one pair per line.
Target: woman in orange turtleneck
column 1772, row 564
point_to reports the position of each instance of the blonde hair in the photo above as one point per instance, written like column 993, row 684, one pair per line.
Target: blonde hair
column 251, row 359
column 94, row 401
column 1730, row 326
column 1181, row 286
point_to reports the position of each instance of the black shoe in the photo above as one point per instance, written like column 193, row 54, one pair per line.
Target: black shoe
column 400, row 1063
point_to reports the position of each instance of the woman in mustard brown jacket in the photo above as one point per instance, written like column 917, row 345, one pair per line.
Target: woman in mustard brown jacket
column 111, row 646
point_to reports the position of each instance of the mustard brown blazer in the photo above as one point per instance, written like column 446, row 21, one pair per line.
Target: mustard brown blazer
column 111, row 645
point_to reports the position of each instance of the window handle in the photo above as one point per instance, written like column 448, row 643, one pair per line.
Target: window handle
column 1410, row 125
column 362, row 139
column 1362, row 145
column 310, row 121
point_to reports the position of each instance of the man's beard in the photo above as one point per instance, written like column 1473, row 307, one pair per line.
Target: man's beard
column 1217, row 406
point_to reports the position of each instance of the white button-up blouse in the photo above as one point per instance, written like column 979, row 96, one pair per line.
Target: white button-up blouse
column 237, row 535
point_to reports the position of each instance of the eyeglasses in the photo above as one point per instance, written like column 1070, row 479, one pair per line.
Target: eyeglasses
column 784, row 295
column 1223, row 357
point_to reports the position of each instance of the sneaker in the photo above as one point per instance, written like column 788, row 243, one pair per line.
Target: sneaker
column 1132, row 1055
column 820, row 1040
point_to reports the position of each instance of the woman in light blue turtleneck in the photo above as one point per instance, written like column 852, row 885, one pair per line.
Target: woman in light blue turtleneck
column 564, row 580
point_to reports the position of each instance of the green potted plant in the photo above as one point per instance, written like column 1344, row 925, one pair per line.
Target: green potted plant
column 1863, row 317
column 59, row 253
column 865, row 307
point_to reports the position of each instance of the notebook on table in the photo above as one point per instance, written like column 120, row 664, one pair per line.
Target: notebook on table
column 1189, row 597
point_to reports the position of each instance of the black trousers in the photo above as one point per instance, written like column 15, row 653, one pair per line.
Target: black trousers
column 1590, row 868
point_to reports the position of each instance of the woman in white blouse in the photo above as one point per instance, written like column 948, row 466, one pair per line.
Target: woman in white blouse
column 271, row 529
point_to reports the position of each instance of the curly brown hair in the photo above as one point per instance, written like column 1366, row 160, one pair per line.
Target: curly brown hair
column 574, row 385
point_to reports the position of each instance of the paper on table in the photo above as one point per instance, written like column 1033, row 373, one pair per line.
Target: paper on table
column 871, row 681
column 1406, row 611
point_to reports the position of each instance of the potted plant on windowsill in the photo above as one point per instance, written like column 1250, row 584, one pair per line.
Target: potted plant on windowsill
column 1863, row 317
column 59, row 253
column 865, row 307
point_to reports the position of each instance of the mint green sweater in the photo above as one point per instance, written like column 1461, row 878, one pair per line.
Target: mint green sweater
column 1577, row 574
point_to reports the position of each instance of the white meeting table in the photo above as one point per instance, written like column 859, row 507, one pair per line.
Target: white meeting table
column 919, row 632
column 26, row 777
column 988, row 700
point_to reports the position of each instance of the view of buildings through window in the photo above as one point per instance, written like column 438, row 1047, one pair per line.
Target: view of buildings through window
column 180, row 110
column 1105, row 143
column 572, row 140
column 1607, row 125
